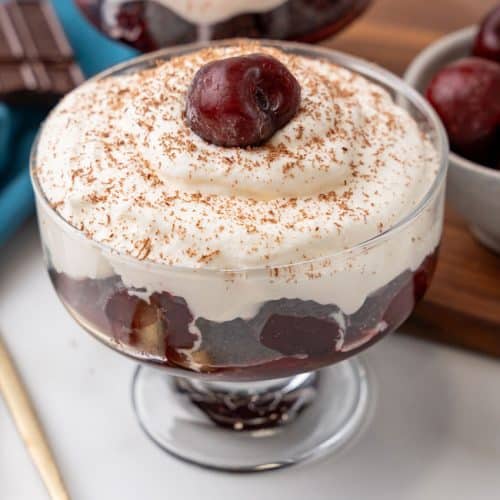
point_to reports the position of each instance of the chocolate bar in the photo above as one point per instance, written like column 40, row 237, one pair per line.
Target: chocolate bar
column 36, row 60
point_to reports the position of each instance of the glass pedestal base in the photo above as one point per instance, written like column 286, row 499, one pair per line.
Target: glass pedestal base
column 258, row 426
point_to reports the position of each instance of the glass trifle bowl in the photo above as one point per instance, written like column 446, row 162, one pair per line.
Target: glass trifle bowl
column 250, row 368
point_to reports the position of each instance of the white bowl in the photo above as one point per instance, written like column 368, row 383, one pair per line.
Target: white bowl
column 474, row 190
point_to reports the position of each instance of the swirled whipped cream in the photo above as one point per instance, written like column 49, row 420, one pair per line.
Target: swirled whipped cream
column 117, row 160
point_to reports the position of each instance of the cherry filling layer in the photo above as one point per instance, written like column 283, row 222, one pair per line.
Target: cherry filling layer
column 285, row 337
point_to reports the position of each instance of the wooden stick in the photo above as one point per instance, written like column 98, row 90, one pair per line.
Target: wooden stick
column 29, row 427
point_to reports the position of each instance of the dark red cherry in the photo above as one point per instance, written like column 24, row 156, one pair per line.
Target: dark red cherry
column 177, row 319
column 423, row 277
column 487, row 42
column 132, row 26
column 296, row 336
column 241, row 101
column 128, row 315
column 466, row 95
column 400, row 307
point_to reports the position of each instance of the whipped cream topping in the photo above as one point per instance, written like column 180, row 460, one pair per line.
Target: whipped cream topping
column 117, row 161
column 213, row 11
column 204, row 12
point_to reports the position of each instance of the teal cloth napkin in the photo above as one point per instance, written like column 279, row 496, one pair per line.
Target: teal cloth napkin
column 19, row 125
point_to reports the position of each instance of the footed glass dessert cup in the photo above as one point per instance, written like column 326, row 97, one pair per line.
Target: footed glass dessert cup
column 152, row 24
column 253, row 369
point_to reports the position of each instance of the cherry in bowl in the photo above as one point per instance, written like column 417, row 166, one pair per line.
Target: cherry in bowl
column 487, row 42
column 466, row 95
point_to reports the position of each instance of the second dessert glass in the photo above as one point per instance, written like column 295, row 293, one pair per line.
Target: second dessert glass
column 273, row 386
column 153, row 24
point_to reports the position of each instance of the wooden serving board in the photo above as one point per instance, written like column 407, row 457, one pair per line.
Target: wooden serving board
column 462, row 307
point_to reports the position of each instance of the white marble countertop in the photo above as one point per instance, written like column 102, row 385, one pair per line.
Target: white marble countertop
column 435, row 433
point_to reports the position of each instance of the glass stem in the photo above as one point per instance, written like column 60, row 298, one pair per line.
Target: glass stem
column 251, row 405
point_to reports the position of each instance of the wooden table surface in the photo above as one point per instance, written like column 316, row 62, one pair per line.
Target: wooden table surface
column 462, row 306
column 392, row 32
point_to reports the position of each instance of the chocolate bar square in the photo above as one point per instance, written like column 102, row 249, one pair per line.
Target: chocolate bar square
column 36, row 59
